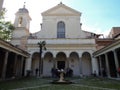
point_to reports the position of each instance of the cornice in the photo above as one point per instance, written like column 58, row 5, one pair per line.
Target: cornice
column 102, row 50
column 9, row 47
column 47, row 13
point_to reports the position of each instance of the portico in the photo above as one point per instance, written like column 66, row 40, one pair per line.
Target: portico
column 109, row 59
column 12, row 60
column 63, row 56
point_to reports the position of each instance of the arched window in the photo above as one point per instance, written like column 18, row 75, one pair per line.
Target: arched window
column 61, row 30
column 20, row 21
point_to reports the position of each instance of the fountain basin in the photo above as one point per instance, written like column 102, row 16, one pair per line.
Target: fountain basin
column 61, row 79
column 61, row 82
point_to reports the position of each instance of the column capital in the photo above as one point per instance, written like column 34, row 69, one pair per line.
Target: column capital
column 113, row 50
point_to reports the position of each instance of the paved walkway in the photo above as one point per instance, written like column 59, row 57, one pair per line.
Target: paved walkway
column 78, row 85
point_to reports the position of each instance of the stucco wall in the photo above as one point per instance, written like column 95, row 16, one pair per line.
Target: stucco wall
column 72, row 27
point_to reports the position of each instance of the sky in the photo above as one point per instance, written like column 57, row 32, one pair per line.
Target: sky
column 98, row 16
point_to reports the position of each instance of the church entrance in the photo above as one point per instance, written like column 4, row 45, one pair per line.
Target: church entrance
column 61, row 60
column 61, row 65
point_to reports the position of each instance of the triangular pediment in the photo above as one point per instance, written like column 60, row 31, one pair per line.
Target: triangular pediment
column 61, row 10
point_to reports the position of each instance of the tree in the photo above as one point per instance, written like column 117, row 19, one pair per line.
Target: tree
column 42, row 47
column 6, row 27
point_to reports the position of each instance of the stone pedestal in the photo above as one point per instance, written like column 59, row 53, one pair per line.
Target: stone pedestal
column 61, row 77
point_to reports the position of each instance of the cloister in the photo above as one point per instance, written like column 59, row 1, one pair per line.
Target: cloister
column 12, row 60
column 108, row 59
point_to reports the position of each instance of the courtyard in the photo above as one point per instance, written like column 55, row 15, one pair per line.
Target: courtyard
column 87, row 83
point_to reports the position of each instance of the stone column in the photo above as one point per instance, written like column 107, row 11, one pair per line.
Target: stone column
column 100, row 66
column 28, row 64
column 21, row 67
column 80, row 66
column 67, row 62
column 15, row 64
column 53, row 61
column 94, row 67
column 116, row 62
column 5, row 65
column 107, row 65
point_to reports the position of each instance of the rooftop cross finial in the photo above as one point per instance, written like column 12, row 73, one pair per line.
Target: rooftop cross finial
column 24, row 5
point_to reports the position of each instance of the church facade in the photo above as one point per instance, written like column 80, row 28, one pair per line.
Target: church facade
column 68, row 46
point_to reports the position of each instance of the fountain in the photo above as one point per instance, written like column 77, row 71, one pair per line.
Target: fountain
column 61, row 79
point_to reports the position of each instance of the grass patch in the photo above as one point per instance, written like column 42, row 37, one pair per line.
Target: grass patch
column 63, row 87
column 44, row 84
column 21, row 83
column 100, row 82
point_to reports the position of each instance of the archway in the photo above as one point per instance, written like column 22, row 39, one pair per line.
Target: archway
column 35, row 63
column 47, row 64
column 61, row 60
column 74, row 63
column 86, row 64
